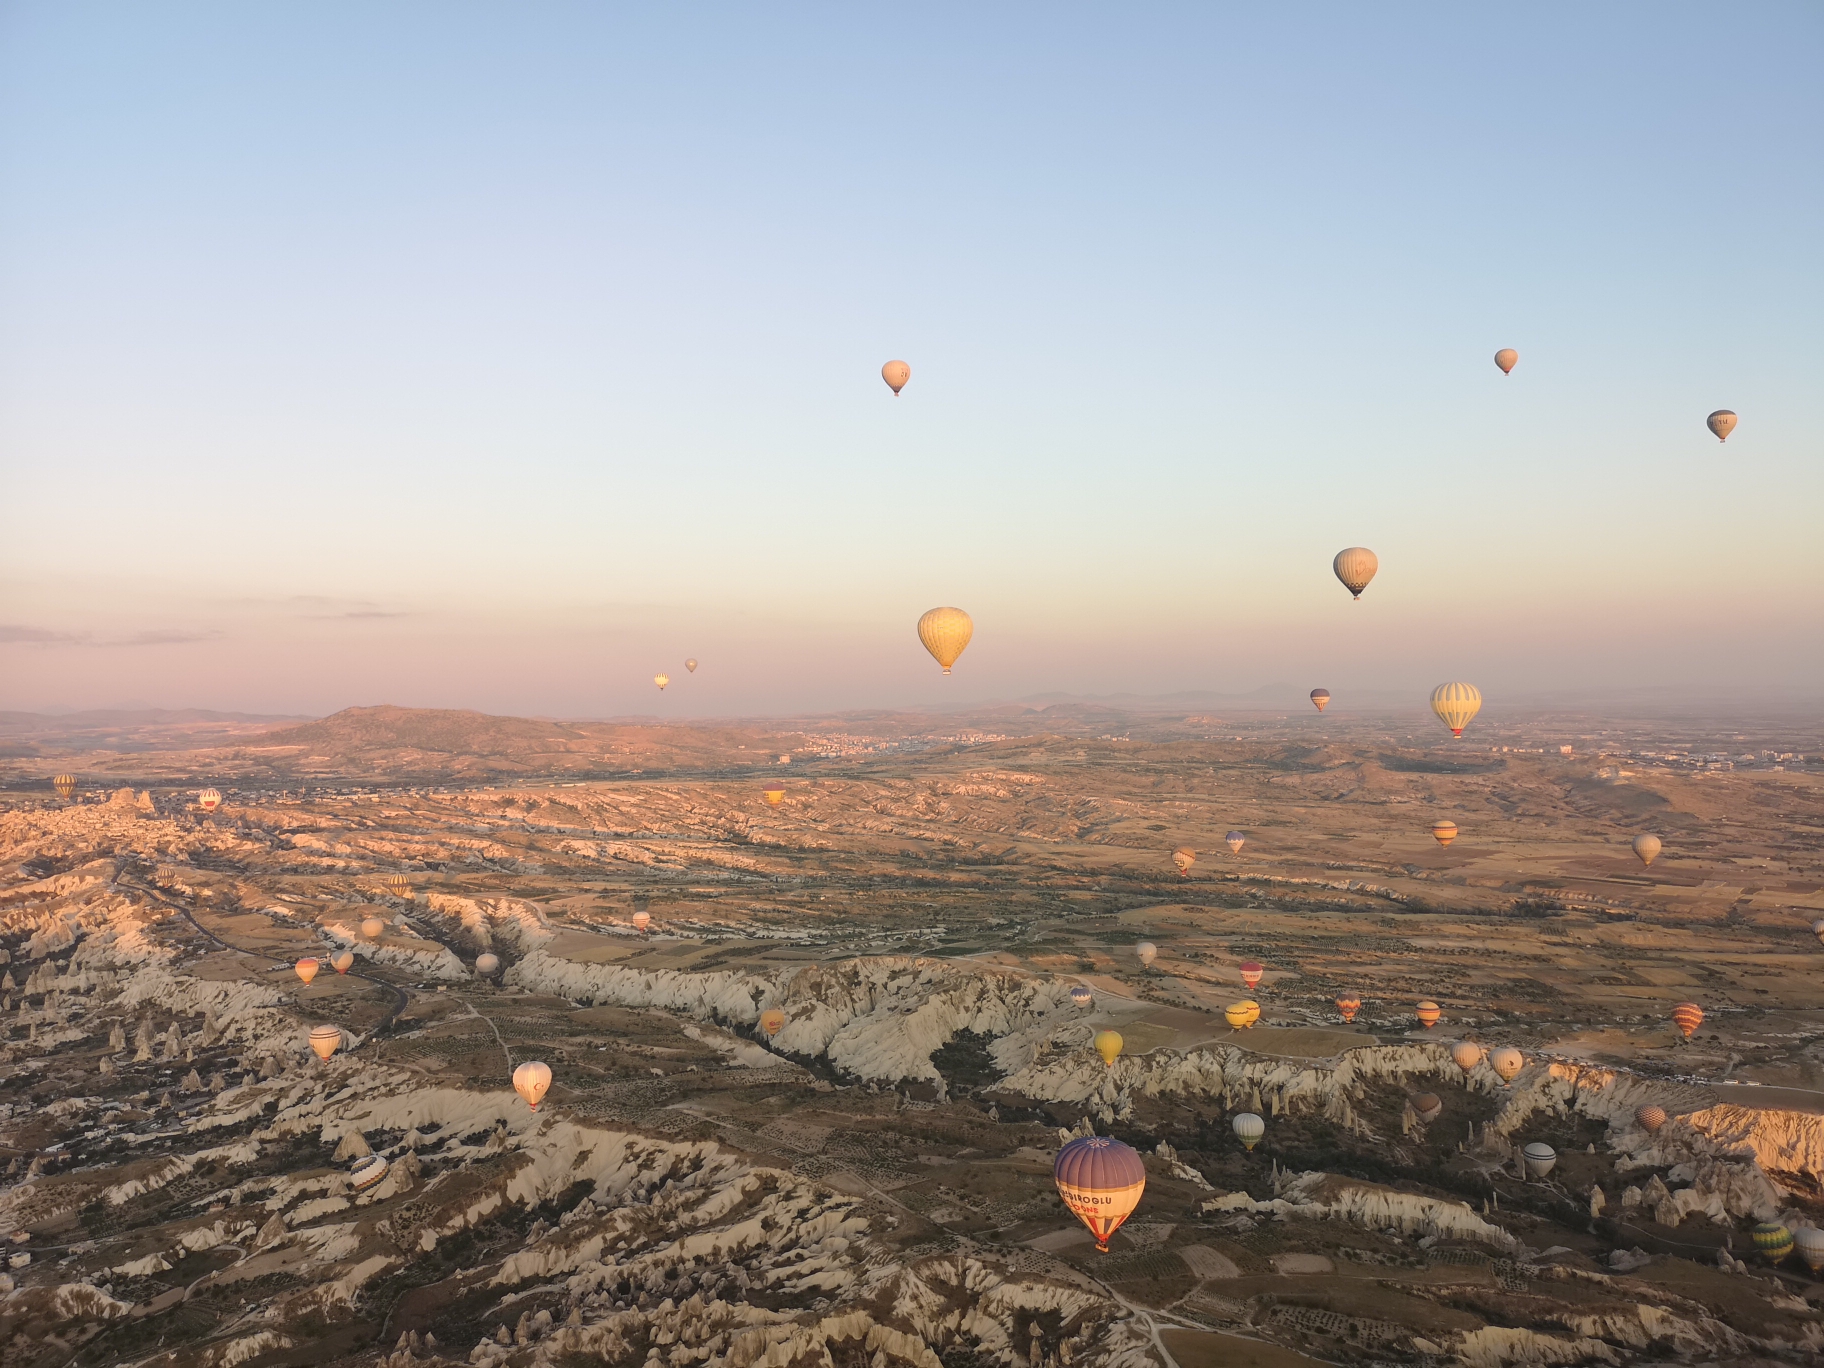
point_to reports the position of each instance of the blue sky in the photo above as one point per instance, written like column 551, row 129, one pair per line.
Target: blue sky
column 460, row 356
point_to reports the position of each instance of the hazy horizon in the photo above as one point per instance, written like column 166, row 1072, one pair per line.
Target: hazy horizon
column 448, row 357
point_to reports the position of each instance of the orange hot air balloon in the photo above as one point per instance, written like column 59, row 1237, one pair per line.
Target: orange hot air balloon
column 342, row 961
column 1646, row 849
column 1687, row 1016
column 1355, row 566
column 642, row 920
column 1321, row 697
column 1349, row 1006
column 774, row 794
column 1505, row 358
column 896, row 373
column 1650, row 1117
column 307, row 969
column 772, row 1021
column 1184, row 857
column 532, row 1081
column 325, row 1040
column 1101, row 1181
column 1445, row 832
column 1722, row 423
column 209, row 800
column 1507, row 1063
column 1466, row 1054
column 1251, row 973
column 1236, row 1014
column 1108, row 1045
column 1428, row 1013
column 945, row 633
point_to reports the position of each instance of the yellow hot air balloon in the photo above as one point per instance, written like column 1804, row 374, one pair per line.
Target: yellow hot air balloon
column 774, row 793
column 1505, row 358
column 1428, row 1013
column 1253, row 1010
column 1507, row 1063
column 325, row 1040
column 1444, row 832
column 1184, row 857
column 1455, row 704
column 306, row 969
column 1466, row 1054
column 1647, row 848
column 1321, row 697
column 342, row 961
column 65, row 784
column 945, row 632
column 400, row 887
column 691, row 665
column 661, row 680
column 772, row 1021
column 896, row 373
column 1349, row 1004
column 1108, row 1045
column 1773, row 1240
column 1236, row 1014
column 1101, row 1181
column 1687, row 1016
column 532, row 1080
column 1355, row 566
column 1722, row 423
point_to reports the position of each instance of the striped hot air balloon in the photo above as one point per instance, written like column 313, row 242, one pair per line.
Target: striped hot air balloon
column 1540, row 1159
column 307, row 968
column 1817, row 929
column 209, row 800
column 1444, row 832
column 1251, row 973
column 65, row 784
column 945, row 633
column 1253, row 1010
column 1080, row 996
column 1687, row 1016
column 400, row 887
column 1248, row 1128
column 1349, row 1005
column 1235, row 840
column 367, row 1171
column 1184, row 857
column 1236, row 1014
column 1810, row 1243
column 1650, row 1118
column 1101, row 1180
column 1320, row 697
column 1428, row 1013
column 774, row 794
column 1455, row 704
column 1355, row 566
column 1773, row 1240
column 325, row 1040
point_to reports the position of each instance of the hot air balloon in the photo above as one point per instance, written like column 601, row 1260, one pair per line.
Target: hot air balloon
column 772, row 1021
column 1101, row 1181
column 1321, row 697
column 1773, row 1240
column 1428, row 1014
column 1235, row 840
column 400, row 887
column 691, row 665
column 1108, row 1045
column 307, row 969
column 1184, row 857
column 1428, row 1107
column 325, row 1040
column 368, row 1170
column 1507, row 1063
column 342, row 961
column 1248, row 1128
column 641, row 920
column 1817, row 929
column 1539, row 1158
column 1444, row 832
column 1466, row 1054
column 1687, row 1016
column 945, row 632
column 1253, row 1010
column 1650, row 1118
column 1810, row 1242
column 487, row 965
column 1455, row 704
column 774, row 794
column 372, row 927
column 661, row 680
column 1080, row 996
column 1236, row 1014
column 65, row 785
column 532, row 1081
column 1722, row 423
column 1355, row 566
column 1146, row 952
column 1251, row 973
column 1505, row 358
column 209, row 800
column 1647, row 848
column 896, row 373
column 1349, row 1005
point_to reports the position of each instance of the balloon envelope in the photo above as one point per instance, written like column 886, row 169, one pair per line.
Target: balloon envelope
column 1466, row 1054
column 772, row 1021
column 1184, row 857
column 1101, row 1181
column 1428, row 1013
column 1810, row 1242
column 896, row 373
column 1236, row 1014
column 1647, row 848
column 691, row 665
column 1108, row 1045
column 368, row 1170
column 1349, row 1006
column 661, row 680
column 1817, row 929
column 774, row 793
column 325, row 1040
column 1235, row 840
column 399, row 886
column 1251, row 973
column 945, row 632
column 1253, row 1010
column 1428, row 1107
column 1722, row 423
column 1773, row 1240
column 1444, row 832
column 307, row 969
column 1539, row 1158
column 1455, row 704
column 1080, row 996
column 1248, row 1128
column 1687, row 1016
column 342, row 961
column 487, row 965
column 1650, row 1117
column 1146, row 952
column 1507, row 1063
column 642, row 920
column 209, row 800
column 532, row 1080
column 372, row 927
column 1321, row 697
column 1355, row 566
column 1505, row 359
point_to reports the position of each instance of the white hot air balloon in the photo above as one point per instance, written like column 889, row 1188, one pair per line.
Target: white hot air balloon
column 1355, row 566
column 1146, row 952
column 532, row 1081
column 1248, row 1128
column 325, row 1040
column 1540, row 1158
column 368, row 1171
